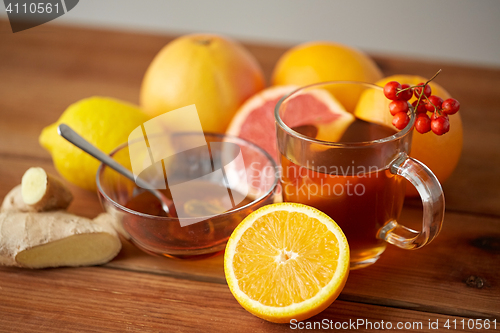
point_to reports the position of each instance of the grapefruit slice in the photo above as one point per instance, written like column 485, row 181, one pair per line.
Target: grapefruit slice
column 286, row 261
column 254, row 121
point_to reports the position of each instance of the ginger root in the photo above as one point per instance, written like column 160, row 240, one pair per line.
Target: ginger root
column 14, row 201
column 38, row 192
column 33, row 235
column 52, row 239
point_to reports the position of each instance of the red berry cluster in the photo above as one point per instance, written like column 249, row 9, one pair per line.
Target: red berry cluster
column 400, row 94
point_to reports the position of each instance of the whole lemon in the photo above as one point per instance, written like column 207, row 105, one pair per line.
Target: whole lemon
column 315, row 62
column 104, row 122
column 212, row 72
column 440, row 153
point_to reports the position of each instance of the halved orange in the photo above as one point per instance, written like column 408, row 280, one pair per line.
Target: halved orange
column 286, row 261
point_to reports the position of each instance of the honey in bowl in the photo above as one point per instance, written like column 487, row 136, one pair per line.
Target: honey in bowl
column 208, row 195
column 202, row 199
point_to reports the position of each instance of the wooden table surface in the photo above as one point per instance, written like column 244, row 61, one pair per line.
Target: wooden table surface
column 45, row 69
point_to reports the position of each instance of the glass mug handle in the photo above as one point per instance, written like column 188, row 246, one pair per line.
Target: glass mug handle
column 432, row 197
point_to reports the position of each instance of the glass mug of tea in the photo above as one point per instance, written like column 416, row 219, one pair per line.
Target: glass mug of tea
column 353, row 170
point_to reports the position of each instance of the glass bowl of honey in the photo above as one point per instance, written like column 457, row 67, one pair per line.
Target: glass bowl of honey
column 211, row 182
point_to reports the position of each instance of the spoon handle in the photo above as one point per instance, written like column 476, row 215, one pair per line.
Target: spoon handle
column 69, row 134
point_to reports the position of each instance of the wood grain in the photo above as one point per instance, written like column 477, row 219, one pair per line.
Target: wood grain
column 96, row 299
column 440, row 270
column 440, row 273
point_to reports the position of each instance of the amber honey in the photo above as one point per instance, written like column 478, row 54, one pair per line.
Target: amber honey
column 202, row 199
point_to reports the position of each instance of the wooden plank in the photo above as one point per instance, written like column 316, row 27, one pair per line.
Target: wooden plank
column 443, row 274
column 462, row 263
column 457, row 273
column 440, row 270
column 97, row 299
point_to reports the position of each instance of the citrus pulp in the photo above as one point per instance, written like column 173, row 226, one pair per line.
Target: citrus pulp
column 286, row 261
column 255, row 121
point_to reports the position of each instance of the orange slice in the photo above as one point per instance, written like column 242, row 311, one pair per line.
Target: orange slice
column 286, row 261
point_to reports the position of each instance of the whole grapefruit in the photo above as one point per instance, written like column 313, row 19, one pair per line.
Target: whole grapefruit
column 212, row 72
column 321, row 61
column 439, row 153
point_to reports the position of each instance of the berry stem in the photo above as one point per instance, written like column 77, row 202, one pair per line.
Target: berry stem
column 423, row 87
column 432, row 78
column 401, row 90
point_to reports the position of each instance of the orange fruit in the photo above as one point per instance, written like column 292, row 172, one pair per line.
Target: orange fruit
column 212, row 72
column 439, row 153
column 286, row 261
column 255, row 120
column 326, row 61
